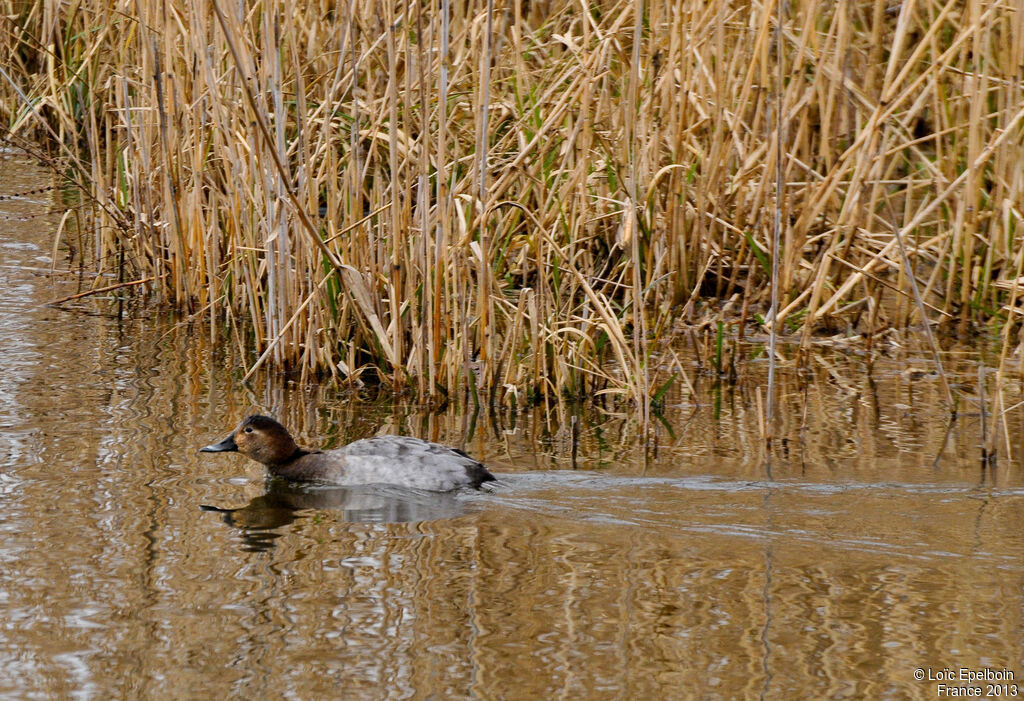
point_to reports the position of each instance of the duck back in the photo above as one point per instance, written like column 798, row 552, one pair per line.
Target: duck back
column 411, row 462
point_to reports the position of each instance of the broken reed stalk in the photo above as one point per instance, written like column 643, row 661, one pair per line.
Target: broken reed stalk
column 928, row 332
column 335, row 199
column 99, row 290
column 988, row 455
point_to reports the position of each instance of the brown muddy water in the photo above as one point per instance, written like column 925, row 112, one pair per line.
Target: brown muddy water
column 874, row 549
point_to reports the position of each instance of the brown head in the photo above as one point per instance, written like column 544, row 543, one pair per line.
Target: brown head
column 261, row 439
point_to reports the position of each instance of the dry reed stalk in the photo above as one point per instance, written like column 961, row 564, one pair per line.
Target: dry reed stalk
column 631, row 224
column 235, row 156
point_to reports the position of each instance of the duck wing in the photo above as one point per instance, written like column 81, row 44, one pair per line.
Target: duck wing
column 412, row 462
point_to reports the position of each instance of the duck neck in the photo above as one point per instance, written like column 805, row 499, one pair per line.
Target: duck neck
column 292, row 467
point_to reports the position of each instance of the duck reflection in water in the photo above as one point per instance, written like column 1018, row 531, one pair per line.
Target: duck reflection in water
column 263, row 519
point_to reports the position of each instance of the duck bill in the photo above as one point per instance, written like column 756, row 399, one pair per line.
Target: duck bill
column 227, row 445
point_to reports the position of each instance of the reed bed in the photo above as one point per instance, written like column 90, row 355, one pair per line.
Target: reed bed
column 530, row 200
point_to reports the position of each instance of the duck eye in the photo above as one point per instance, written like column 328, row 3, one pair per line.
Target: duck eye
column 248, row 429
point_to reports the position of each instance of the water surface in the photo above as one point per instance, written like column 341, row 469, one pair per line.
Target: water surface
column 871, row 544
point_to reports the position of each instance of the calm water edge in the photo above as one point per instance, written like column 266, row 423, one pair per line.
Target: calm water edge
column 872, row 550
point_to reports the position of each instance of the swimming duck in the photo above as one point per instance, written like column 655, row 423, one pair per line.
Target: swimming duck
column 399, row 460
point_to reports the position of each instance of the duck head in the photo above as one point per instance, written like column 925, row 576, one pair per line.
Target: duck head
column 259, row 438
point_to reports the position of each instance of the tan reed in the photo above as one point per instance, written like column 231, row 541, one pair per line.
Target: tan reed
column 526, row 201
